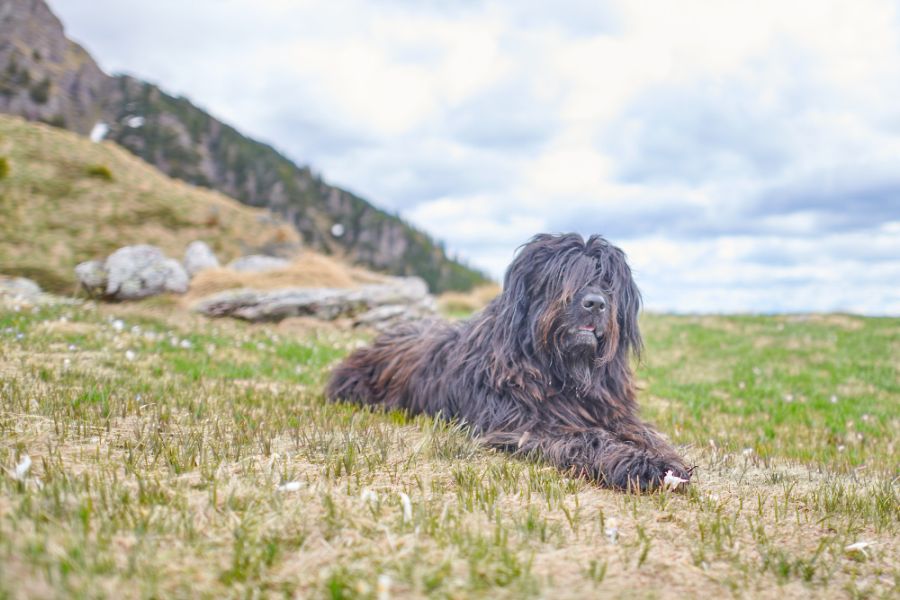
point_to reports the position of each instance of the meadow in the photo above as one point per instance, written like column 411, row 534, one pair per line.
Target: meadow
column 173, row 456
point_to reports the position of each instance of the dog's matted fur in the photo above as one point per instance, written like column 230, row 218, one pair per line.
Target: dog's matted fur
column 542, row 370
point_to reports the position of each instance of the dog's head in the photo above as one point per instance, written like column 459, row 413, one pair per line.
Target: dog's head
column 575, row 301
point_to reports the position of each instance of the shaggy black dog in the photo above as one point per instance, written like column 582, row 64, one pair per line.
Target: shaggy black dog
column 542, row 370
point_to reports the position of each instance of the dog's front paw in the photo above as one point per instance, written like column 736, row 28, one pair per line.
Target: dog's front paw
column 643, row 470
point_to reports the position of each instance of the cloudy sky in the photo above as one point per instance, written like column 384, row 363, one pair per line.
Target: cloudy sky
column 745, row 155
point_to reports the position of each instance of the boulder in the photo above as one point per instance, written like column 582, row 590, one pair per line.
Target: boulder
column 92, row 276
column 198, row 257
column 19, row 288
column 132, row 273
column 258, row 263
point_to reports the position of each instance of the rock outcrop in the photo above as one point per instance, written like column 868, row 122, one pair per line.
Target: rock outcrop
column 379, row 306
column 258, row 263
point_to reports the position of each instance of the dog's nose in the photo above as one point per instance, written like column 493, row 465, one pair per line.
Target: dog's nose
column 594, row 302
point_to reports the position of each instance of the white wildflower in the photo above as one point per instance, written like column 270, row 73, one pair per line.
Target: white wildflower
column 22, row 468
column 672, row 481
column 407, row 507
column 383, row 591
column 290, row 486
column 859, row 547
column 118, row 325
column 611, row 531
column 834, row 399
column 748, row 452
column 130, row 355
column 185, row 344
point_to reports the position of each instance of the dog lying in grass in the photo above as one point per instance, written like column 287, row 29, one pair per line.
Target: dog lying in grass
column 543, row 370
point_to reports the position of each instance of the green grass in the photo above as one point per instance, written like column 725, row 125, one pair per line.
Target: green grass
column 159, row 441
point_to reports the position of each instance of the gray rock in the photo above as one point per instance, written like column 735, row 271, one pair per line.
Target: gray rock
column 19, row 287
column 258, row 263
column 372, row 305
column 133, row 272
column 198, row 257
column 92, row 276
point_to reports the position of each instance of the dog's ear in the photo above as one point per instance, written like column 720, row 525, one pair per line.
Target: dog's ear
column 629, row 304
column 519, row 282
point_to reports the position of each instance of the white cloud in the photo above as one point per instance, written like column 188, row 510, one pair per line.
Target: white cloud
column 743, row 154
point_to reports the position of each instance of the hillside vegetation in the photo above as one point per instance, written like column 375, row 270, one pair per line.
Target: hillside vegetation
column 44, row 76
column 177, row 457
column 65, row 200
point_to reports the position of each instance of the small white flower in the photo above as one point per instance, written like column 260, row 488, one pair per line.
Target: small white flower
column 407, row 507
column 834, row 399
column 788, row 397
column 185, row 344
column 611, row 531
column 66, row 363
column 22, row 468
column 383, row 590
column 135, row 330
column 859, row 547
column 290, row 486
column 672, row 481
column 747, row 452
column 130, row 355
column 72, row 347
column 118, row 325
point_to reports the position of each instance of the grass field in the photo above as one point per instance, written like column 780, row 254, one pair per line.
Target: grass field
column 177, row 457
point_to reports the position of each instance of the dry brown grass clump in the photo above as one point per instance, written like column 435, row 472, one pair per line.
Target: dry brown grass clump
column 310, row 269
column 459, row 303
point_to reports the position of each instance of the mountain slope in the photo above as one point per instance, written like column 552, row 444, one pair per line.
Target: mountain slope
column 65, row 200
column 44, row 76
